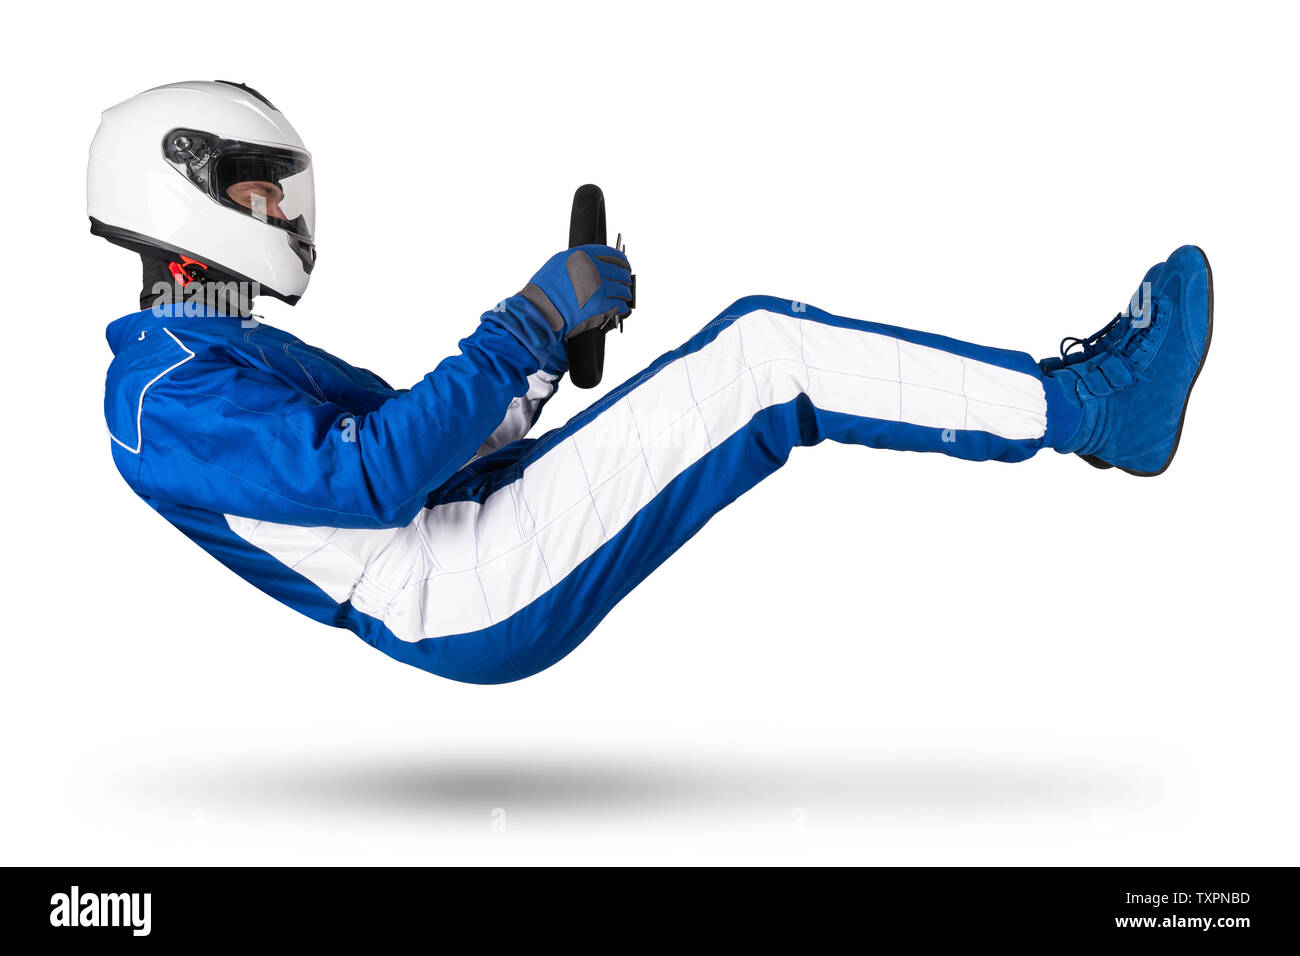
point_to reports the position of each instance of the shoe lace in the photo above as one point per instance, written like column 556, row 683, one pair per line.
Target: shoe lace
column 1091, row 343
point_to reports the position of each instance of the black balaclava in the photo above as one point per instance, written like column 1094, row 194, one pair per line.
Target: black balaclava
column 181, row 279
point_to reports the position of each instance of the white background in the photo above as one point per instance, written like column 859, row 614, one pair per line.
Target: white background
column 872, row 658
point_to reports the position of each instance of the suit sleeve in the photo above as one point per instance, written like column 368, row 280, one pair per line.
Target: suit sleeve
column 522, row 413
column 238, row 441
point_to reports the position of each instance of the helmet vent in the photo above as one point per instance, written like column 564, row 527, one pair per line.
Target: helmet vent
column 250, row 91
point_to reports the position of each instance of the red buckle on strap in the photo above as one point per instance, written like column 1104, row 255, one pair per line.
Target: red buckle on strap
column 187, row 270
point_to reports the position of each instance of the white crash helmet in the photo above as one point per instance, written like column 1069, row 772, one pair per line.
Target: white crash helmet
column 210, row 173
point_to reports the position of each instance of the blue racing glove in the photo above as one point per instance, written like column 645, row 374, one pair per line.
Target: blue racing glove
column 578, row 289
column 582, row 288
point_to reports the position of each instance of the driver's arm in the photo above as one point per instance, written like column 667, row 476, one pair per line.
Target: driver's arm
column 237, row 440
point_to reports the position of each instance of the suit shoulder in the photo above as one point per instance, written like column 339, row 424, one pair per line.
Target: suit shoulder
column 149, row 357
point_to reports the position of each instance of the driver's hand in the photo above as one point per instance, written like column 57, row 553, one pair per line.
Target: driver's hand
column 582, row 288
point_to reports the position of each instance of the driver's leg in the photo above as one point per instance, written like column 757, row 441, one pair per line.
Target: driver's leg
column 529, row 548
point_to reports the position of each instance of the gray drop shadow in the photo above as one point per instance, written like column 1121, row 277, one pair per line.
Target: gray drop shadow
column 427, row 783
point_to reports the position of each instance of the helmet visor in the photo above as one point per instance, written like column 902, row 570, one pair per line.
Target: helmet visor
column 272, row 184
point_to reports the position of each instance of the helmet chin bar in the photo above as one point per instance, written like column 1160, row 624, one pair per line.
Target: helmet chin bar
column 150, row 248
column 306, row 253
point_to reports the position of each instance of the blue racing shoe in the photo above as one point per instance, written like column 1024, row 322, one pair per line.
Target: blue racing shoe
column 1133, row 378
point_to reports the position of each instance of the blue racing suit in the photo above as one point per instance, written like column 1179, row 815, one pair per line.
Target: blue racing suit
column 424, row 521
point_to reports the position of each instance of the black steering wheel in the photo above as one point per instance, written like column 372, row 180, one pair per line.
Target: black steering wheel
column 587, row 226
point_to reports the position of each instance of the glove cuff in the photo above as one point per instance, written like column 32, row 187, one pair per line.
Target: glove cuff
column 528, row 324
column 540, row 301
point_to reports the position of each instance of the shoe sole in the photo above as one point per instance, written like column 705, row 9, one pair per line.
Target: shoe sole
column 1209, row 335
